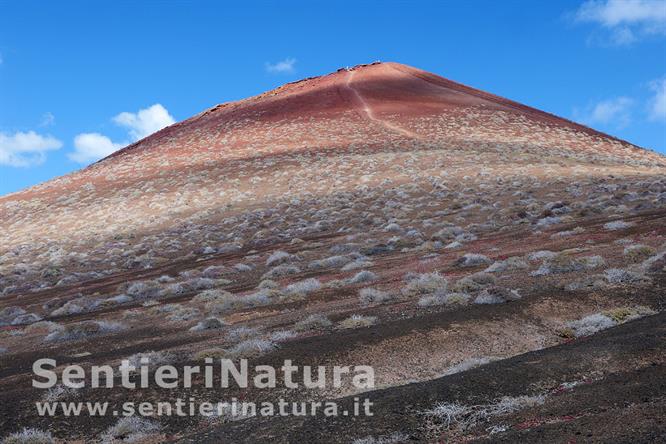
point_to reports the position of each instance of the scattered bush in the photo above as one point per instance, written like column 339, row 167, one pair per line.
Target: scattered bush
column 29, row 436
column 433, row 300
column 465, row 365
column 8, row 314
column 313, row 322
column 28, row 318
column 559, row 264
column 618, row 225
column 183, row 314
column 282, row 335
column 357, row 321
column 227, row 301
column 568, row 233
column 626, row 314
column 622, row 276
column 510, row 264
column 281, row 271
column 453, row 245
column 358, row 263
column 541, row 255
column 548, row 221
column 116, row 300
column 467, row 417
column 474, row 282
column 304, row 287
column 369, row 296
column 472, row 260
column 496, row 295
column 488, row 298
column 593, row 282
column 363, row 276
column 252, row 348
column 214, row 272
column 395, row 438
column 242, row 268
column 426, row 283
column 130, row 429
column 208, row 324
column 78, row 305
column 83, row 330
column 268, row 284
column 330, row 262
column 217, row 295
column 152, row 359
column 242, row 333
column 655, row 263
column 279, row 257
column 144, row 290
column 198, row 283
column 591, row 262
column 212, row 353
column 590, row 324
column 638, row 253
column 59, row 392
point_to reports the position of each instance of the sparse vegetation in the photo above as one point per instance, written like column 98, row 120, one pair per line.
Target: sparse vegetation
column 622, row 276
column 83, row 330
column 394, row 438
column 600, row 321
column 29, row 436
column 252, row 347
column 208, row 324
column 467, row 364
column 370, row 296
column 472, row 260
column 242, row 333
column 281, row 271
column 638, row 253
column 618, row 225
column 303, row 288
column 152, row 359
column 466, row 417
column 313, row 322
column 357, row 321
column 363, row 276
column 130, row 429
column 212, row 353
column 425, row 284
column 279, row 257
column 278, row 223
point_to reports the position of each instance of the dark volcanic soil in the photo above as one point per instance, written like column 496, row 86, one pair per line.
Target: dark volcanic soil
column 627, row 404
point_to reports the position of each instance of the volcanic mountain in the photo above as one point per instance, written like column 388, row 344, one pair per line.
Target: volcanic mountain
column 500, row 268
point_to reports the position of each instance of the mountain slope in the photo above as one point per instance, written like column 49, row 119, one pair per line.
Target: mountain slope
column 379, row 215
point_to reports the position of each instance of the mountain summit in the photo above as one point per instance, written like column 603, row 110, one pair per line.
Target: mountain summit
column 382, row 99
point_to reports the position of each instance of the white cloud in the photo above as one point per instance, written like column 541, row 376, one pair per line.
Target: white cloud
column 658, row 102
column 614, row 112
column 285, row 66
column 626, row 20
column 26, row 149
column 89, row 147
column 48, row 119
column 145, row 122
column 92, row 146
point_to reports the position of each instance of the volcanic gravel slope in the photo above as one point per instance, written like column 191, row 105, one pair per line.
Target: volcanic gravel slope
column 501, row 268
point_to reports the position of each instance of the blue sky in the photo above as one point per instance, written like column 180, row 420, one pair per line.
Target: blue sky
column 80, row 79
